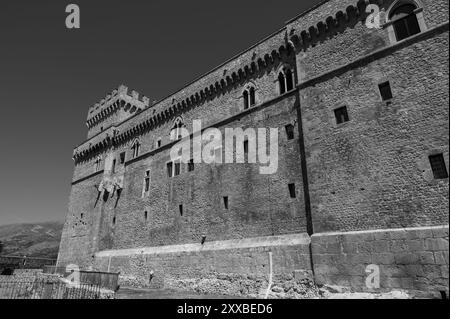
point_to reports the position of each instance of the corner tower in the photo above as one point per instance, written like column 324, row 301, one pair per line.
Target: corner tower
column 114, row 109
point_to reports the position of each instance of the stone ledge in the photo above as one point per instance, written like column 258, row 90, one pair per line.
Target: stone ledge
column 258, row 242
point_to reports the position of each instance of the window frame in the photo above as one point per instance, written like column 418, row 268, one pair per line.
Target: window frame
column 382, row 85
column 136, row 149
column 442, row 169
column 285, row 79
column 390, row 24
column 346, row 115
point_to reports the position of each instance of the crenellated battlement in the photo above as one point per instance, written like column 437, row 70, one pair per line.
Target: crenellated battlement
column 122, row 97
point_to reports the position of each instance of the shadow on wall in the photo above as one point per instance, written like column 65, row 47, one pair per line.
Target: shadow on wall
column 7, row 272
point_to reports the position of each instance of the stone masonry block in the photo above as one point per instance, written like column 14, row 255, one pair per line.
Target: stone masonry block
column 415, row 245
column 380, row 246
column 333, row 248
column 406, row 259
column 383, row 259
column 436, row 244
column 444, row 272
column 440, row 232
column 441, row 258
column 398, row 234
column 398, row 246
column 426, row 258
column 360, row 259
column 414, row 270
column 432, row 271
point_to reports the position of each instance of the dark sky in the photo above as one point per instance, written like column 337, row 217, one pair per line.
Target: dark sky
column 50, row 76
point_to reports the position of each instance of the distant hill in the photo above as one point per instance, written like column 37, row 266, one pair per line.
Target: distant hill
column 31, row 240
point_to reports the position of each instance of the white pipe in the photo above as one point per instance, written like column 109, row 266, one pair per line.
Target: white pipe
column 270, row 276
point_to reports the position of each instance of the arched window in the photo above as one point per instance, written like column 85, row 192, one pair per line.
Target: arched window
column 404, row 20
column 286, row 80
column 98, row 162
column 289, row 80
column 136, row 148
column 246, row 100
column 282, row 83
column 176, row 132
column 249, row 96
column 252, row 96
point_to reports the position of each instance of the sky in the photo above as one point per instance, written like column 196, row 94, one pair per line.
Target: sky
column 51, row 75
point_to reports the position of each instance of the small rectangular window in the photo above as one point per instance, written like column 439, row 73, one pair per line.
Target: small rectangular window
column 292, row 191
column 113, row 169
column 225, row 202
column 180, row 208
column 290, row 131
column 146, row 215
column 170, row 170
column 341, row 115
column 159, row 143
column 191, row 166
column 385, row 91
column 122, row 158
column 438, row 166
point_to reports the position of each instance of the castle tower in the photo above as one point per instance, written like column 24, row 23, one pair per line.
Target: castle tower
column 114, row 109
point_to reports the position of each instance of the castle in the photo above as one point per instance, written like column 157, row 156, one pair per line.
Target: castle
column 361, row 104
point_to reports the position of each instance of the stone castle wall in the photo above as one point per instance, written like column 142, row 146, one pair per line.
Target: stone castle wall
column 371, row 173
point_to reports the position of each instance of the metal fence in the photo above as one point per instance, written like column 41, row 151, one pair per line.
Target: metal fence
column 105, row 280
column 41, row 289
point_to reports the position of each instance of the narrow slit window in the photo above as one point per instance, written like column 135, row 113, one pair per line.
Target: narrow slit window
column 246, row 100
column 292, row 191
column 341, row 115
column 385, row 91
column 136, row 149
column 252, row 96
column 114, row 221
column 438, row 166
column 289, row 80
column 177, row 169
column 191, row 166
column 225, row 202
column 246, row 147
column 145, row 215
column 180, row 208
column 98, row 163
column 282, row 83
column 159, row 143
column 170, row 170
column 113, row 169
column 290, row 131
column 147, row 182
column 122, row 158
